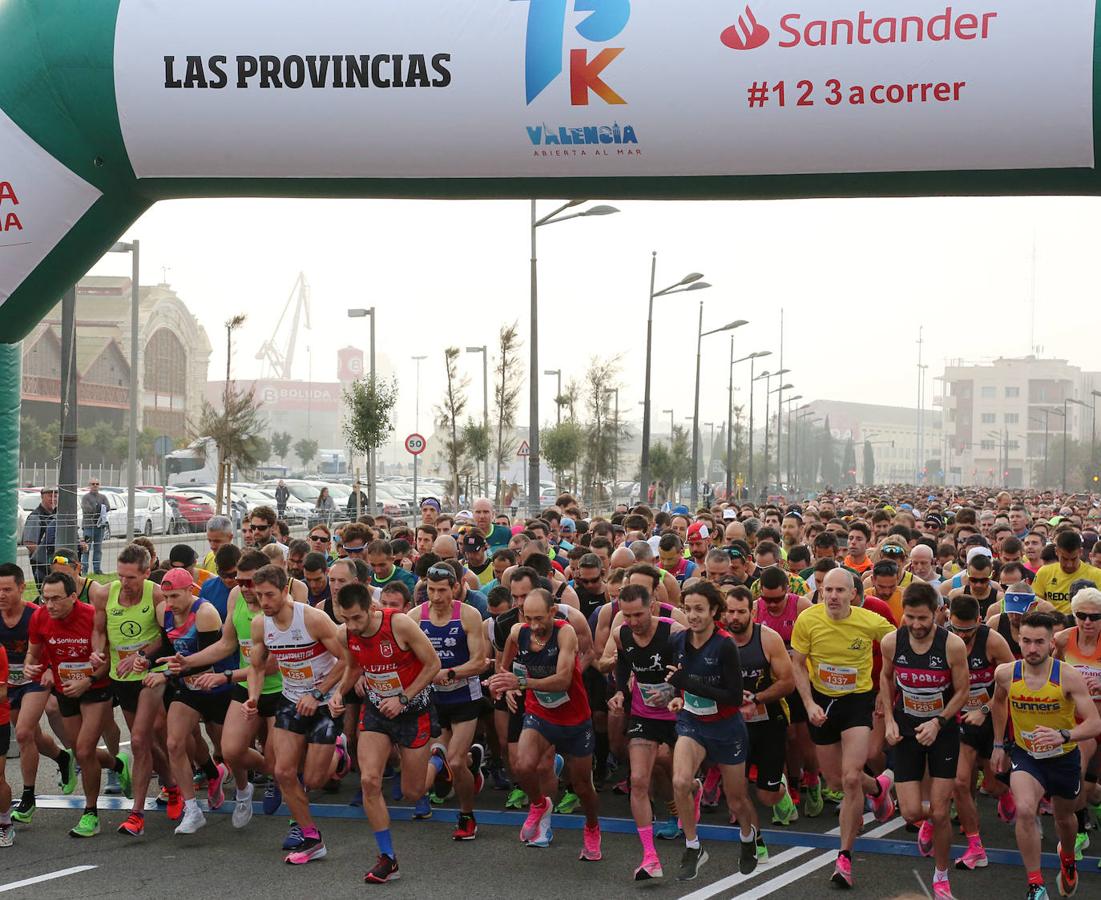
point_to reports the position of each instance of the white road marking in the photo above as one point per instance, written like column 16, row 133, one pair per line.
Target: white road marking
column 49, row 876
column 732, row 880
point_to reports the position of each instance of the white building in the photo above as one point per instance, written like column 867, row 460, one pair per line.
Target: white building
column 995, row 414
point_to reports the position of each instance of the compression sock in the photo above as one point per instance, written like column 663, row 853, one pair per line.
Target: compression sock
column 436, row 762
column 210, row 770
column 385, row 843
column 1036, row 877
column 646, row 837
column 311, row 832
column 1081, row 816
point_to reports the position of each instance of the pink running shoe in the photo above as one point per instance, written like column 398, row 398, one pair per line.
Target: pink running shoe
column 214, row 793
column 650, row 869
column 1007, row 808
column 925, row 838
column 883, row 806
column 590, row 851
column 535, row 816
column 842, row 873
column 942, row 890
column 712, row 788
column 696, row 804
column 974, row 858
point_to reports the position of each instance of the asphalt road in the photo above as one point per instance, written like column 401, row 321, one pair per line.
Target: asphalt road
column 221, row 861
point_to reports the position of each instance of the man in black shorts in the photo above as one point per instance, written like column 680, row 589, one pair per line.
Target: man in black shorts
column 924, row 682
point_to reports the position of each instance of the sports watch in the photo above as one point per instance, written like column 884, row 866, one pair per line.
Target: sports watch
column 1065, row 735
column 317, row 695
column 403, row 699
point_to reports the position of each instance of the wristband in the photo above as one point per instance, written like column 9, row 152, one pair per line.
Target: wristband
column 998, row 746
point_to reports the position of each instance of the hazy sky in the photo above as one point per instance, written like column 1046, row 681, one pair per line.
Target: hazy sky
column 855, row 279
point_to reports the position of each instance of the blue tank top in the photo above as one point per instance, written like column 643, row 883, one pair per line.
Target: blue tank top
column 449, row 642
column 14, row 641
column 705, row 664
column 184, row 637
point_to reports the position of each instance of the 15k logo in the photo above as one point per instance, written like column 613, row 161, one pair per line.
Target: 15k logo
column 546, row 47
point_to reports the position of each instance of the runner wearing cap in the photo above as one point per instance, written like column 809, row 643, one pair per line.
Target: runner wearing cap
column 1018, row 601
column 473, row 546
column 698, row 539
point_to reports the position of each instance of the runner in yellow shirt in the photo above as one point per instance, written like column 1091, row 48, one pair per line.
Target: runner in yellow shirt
column 832, row 658
column 1053, row 581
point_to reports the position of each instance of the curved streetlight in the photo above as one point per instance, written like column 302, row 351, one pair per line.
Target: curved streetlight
column 700, row 335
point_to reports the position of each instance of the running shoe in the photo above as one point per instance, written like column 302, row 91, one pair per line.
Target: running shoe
column 747, row 859
column 162, row 796
column 812, row 800
column 193, row 819
column 762, row 850
column 477, row 762
column 536, row 815
column 386, row 869
column 343, row 759
column 174, row 810
column 942, row 890
column 882, row 805
column 712, row 789
column 568, row 804
column 134, row 825
column 1037, row 892
column 312, row 848
column 517, row 799
column 24, row 810
column 544, row 834
column 215, row 795
column 466, row 829
column 66, row 772
column 842, row 876
column 126, row 781
column 87, row 827
column 691, row 861
column 622, row 788
column 7, row 835
column 444, row 785
column 785, row 812
column 294, row 837
column 112, row 788
column 925, row 838
column 1067, row 879
column 498, row 779
column 1081, row 844
column 650, row 869
column 273, row 798
column 668, row 830
column 834, row 797
column 423, row 808
column 973, row 858
column 435, row 799
column 698, row 795
column 590, row 849
column 1007, row 808
column 242, row 809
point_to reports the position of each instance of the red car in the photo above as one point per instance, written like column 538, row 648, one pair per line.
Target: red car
column 195, row 510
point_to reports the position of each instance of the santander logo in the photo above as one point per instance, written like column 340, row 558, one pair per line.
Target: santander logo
column 746, row 34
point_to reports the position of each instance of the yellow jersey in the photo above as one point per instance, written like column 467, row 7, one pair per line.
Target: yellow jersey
column 1053, row 584
column 839, row 653
column 1048, row 706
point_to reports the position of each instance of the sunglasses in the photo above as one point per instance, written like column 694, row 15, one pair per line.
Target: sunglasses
column 978, row 580
column 358, row 549
column 244, row 582
column 437, row 572
column 263, row 527
column 956, row 629
column 581, row 580
column 62, row 560
column 320, row 537
column 1087, row 617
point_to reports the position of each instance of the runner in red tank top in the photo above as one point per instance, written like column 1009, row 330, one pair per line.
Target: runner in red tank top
column 398, row 663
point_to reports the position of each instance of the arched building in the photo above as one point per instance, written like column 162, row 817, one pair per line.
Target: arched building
column 173, row 356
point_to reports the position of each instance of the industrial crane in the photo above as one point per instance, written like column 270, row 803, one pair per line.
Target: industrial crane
column 276, row 364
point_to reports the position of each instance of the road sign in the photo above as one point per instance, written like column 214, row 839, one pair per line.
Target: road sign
column 163, row 445
column 415, row 444
column 524, row 449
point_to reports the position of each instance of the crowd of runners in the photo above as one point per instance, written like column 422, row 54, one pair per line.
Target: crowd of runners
column 888, row 650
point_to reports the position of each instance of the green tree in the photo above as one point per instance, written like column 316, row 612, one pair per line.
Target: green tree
column 672, row 462
column 281, row 444
column 448, row 415
column 477, row 442
column 827, row 455
column 601, row 439
column 305, row 450
column 561, row 447
column 848, row 464
column 235, row 431
column 869, row 463
column 1080, row 472
column 508, row 382
column 368, row 420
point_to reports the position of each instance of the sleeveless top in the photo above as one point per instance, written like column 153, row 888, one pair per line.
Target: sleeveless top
column 980, row 673
column 568, row 707
column 650, row 692
column 14, row 640
column 1047, row 706
column 704, row 663
column 388, row 670
column 184, row 638
column 303, row 660
column 1006, row 631
column 923, row 681
column 242, row 625
column 756, row 677
column 1089, row 664
column 129, row 628
column 450, row 643
column 784, row 623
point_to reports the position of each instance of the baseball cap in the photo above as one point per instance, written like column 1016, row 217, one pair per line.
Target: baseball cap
column 464, row 515
column 1018, row 602
column 698, row 531
column 729, row 515
column 567, row 524
column 979, row 551
column 473, row 542
column 177, row 580
column 431, row 501
column 64, row 556
column 182, row 555
column 679, row 510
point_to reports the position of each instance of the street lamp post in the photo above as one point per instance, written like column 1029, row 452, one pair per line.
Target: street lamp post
column 533, row 371
column 1066, row 406
column 417, row 428
column 690, row 282
column 800, row 417
column 752, row 357
column 779, row 417
column 767, row 376
column 484, row 350
column 359, row 314
column 134, row 249
column 700, row 335
column 711, row 447
column 1093, row 432
column 557, row 396
column 789, row 401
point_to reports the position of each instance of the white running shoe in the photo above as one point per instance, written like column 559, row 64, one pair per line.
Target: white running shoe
column 242, row 809
column 193, row 819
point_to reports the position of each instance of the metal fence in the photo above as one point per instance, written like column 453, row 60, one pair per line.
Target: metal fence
column 36, row 475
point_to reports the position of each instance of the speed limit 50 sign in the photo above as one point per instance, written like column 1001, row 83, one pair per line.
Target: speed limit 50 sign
column 415, row 444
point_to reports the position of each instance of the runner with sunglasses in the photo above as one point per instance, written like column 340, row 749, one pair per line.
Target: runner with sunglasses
column 1081, row 647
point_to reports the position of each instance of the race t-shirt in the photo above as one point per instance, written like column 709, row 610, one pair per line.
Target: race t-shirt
column 839, row 654
column 66, row 643
column 1053, row 584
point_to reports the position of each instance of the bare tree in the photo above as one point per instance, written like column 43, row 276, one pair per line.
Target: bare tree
column 448, row 415
column 508, row 383
column 601, row 380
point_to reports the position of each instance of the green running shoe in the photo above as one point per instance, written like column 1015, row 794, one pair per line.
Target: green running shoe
column 569, row 802
column 125, row 780
column 784, row 812
column 517, row 799
column 23, row 811
column 812, row 801
column 87, row 827
column 833, row 796
column 66, row 772
column 762, row 850
column 1081, row 844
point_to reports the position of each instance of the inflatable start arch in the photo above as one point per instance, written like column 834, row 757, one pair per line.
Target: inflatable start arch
column 107, row 106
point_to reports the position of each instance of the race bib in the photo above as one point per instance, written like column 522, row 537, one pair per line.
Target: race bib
column 455, row 685
column 125, row 651
column 922, row 706
column 976, row 700
column 74, row 671
column 841, row 679
column 656, row 696
column 754, row 712
column 700, row 706
column 1093, row 680
column 1029, row 740
column 246, row 647
column 297, row 673
column 191, row 682
column 16, row 675
column 383, row 684
column 552, row 699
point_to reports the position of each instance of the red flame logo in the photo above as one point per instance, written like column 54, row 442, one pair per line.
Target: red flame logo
column 746, row 34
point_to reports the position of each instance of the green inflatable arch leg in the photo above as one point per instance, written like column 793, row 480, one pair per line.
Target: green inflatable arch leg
column 11, row 376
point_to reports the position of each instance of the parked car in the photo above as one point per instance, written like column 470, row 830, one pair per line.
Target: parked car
column 195, row 509
column 152, row 514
